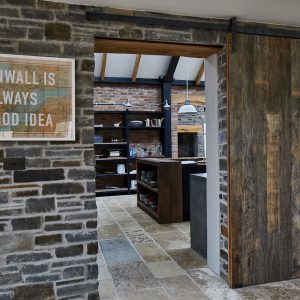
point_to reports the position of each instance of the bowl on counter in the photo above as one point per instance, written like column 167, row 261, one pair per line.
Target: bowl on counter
column 135, row 123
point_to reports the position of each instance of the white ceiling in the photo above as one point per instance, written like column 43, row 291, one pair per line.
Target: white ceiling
column 271, row 11
column 150, row 67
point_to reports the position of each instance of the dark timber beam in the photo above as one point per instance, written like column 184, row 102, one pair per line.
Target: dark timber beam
column 169, row 22
column 121, row 80
column 201, row 23
column 171, row 69
column 166, row 95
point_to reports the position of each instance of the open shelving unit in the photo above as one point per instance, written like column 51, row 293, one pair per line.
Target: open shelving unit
column 167, row 193
column 108, row 183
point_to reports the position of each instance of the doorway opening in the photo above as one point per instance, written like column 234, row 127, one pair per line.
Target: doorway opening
column 146, row 151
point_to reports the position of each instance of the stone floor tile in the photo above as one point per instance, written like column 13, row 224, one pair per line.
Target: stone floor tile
column 106, row 232
column 152, row 227
column 149, row 294
column 213, row 286
column 187, row 258
column 183, row 288
column 129, row 225
column 172, row 240
column 104, row 218
column 127, row 201
column 104, row 273
column 138, row 236
column 132, row 276
column 109, row 200
column 295, row 282
column 120, row 216
column 164, row 269
column 277, row 290
column 150, row 252
column 134, row 209
column 142, row 217
column 118, row 251
column 184, row 227
column 114, row 208
column 107, row 290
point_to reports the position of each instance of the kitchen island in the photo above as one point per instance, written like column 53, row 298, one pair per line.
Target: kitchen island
column 160, row 188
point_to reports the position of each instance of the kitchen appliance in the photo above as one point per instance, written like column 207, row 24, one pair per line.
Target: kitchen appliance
column 114, row 153
column 133, row 184
column 120, row 168
column 98, row 139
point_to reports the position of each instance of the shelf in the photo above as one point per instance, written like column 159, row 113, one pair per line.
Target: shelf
column 145, row 157
column 132, row 112
column 111, row 191
column 141, row 183
column 144, row 127
column 110, row 111
column 111, row 158
column 139, row 112
column 148, row 210
column 110, row 144
column 109, row 127
column 110, row 175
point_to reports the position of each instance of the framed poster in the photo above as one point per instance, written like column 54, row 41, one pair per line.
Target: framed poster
column 37, row 98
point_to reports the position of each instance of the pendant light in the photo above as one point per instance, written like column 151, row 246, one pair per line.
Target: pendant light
column 167, row 106
column 187, row 108
column 127, row 103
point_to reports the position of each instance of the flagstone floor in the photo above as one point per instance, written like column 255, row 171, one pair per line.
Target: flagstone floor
column 142, row 260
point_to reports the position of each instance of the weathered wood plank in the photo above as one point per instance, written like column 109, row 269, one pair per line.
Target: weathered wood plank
column 295, row 156
column 189, row 128
column 273, row 173
column 264, row 167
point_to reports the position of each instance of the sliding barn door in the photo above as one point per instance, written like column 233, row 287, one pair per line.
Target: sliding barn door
column 264, row 164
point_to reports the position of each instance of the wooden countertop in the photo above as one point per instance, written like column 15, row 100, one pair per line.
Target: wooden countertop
column 155, row 161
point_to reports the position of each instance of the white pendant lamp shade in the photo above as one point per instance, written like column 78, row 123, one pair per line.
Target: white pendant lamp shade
column 187, row 108
column 127, row 103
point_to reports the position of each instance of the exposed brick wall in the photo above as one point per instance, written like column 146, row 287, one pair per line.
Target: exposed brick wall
column 183, row 120
column 51, row 248
column 148, row 98
column 142, row 97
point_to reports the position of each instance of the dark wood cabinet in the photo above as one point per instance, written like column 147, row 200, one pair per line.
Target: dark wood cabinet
column 167, row 193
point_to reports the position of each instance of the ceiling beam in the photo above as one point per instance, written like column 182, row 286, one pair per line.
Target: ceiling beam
column 128, row 80
column 153, row 48
column 255, row 28
column 171, row 69
column 199, row 74
column 136, row 67
column 103, row 66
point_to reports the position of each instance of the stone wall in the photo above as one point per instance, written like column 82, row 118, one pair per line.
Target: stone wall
column 48, row 214
column 222, row 109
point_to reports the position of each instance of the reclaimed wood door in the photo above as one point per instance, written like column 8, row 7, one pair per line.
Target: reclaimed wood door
column 264, row 160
